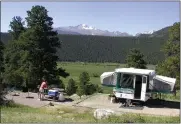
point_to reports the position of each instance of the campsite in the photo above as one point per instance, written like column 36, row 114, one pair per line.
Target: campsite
column 168, row 112
column 51, row 72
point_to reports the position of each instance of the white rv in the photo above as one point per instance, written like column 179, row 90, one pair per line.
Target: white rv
column 137, row 84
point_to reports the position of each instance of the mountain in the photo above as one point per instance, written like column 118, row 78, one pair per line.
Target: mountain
column 145, row 33
column 92, row 48
column 84, row 29
column 159, row 33
column 66, row 32
column 89, row 30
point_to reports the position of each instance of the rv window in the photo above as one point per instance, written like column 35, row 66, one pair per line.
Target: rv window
column 144, row 79
column 127, row 81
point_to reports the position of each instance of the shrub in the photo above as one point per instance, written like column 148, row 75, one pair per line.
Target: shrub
column 95, row 75
column 71, row 87
column 80, row 90
column 90, row 89
column 98, row 88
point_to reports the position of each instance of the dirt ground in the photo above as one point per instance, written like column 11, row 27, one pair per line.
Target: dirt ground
column 33, row 102
column 101, row 101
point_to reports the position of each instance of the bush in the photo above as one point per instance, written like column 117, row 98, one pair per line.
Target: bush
column 80, row 90
column 93, row 88
column 71, row 87
column 85, row 87
column 90, row 89
column 98, row 88
column 95, row 75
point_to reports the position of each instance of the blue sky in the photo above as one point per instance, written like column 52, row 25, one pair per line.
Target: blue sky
column 131, row 17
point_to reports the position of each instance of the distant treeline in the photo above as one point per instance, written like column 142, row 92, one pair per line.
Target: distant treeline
column 105, row 49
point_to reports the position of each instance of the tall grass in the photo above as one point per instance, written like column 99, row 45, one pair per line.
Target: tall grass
column 24, row 114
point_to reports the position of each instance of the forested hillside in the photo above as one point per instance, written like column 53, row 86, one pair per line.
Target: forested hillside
column 105, row 49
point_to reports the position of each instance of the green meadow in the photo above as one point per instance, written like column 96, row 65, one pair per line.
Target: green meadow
column 94, row 70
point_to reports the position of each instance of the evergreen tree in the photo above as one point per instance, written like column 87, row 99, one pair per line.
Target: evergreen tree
column 83, row 82
column 85, row 87
column 1, row 71
column 31, row 55
column 12, row 55
column 80, row 90
column 40, row 43
column 71, row 87
column 136, row 59
column 84, row 78
column 171, row 65
column 17, row 27
column 1, row 59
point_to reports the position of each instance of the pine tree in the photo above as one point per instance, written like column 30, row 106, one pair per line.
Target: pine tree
column 80, row 90
column 84, row 78
column 1, row 59
column 83, row 82
column 136, row 59
column 1, row 71
column 171, row 65
column 31, row 55
column 40, row 45
column 12, row 55
column 71, row 87
column 85, row 87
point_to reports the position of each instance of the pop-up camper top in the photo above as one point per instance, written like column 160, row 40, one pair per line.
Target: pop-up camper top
column 137, row 84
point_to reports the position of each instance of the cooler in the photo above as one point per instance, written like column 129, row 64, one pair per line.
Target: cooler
column 53, row 93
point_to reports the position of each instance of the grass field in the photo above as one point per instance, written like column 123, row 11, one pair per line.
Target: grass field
column 94, row 70
column 24, row 114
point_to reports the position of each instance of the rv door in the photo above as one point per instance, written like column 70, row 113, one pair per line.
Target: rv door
column 144, row 85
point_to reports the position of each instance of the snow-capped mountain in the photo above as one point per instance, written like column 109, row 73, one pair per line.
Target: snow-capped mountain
column 84, row 29
column 145, row 32
column 148, row 32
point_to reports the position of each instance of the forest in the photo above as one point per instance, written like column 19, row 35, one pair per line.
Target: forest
column 85, row 48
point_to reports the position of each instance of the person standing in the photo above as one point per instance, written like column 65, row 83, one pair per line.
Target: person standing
column 43, row 86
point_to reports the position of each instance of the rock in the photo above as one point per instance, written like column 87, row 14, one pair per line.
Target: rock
column 51, row 104
column 59, row 116
column 61, row 112
column 102, row 113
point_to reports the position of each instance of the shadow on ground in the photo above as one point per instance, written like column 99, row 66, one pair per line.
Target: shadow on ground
column 66, row 100
column 156, row 103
